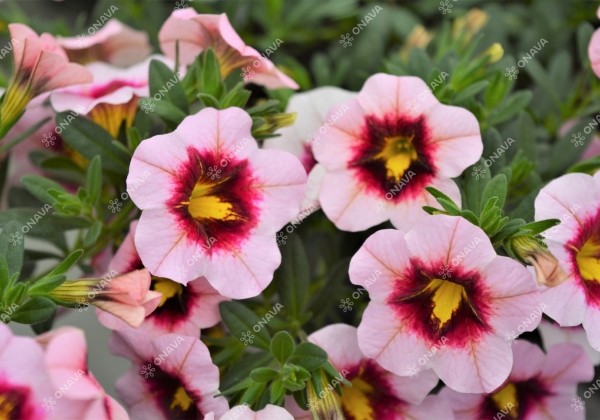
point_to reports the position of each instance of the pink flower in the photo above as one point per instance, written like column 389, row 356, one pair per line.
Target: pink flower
column 574, row 199
column 79, row 395
column 213, row 203
column 441, row 298
column 243, row 412
column 594, row 49
column 115, row 43
column 375, row 392
column 539, row 386
column 311, row 109
column 390, row 143
column 196, row 33
column 182, row 309
column 127, row 296
column 40, row 65
column 25, row 388
column 112, row 98
column 171, row 376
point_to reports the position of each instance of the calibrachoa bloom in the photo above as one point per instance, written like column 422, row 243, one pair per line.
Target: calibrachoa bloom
column 182, row 309
column 24, row 381
column 594, row 49
column 197, row 32
column 114, row 43
column 243, row 412
column 112, row 98
column 553, row 334
column 576, row 244
column 540, row 386
column 215, row 202
column 439, row 302
column 126, row 296
column 311, row 109
column 375, row 392
column 172, row 376
column 79, row 394
column 40, row 65
column 393, row 140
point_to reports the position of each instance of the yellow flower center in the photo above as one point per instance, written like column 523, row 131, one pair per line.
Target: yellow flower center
column 447, row 297
column 398, row 154
column 355, row 400
column 506, row 400
column 588, row 260
column 181, row 399
column 204, row 203
column 7, row 405
column 168, row 289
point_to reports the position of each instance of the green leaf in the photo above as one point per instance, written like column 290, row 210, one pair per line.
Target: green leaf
column 263, row 374
column 46, row 284
column 35, row 310
column 92, row 234
column 510, row 107
column 292, row 279
column 64, row 266
column 167, row 111
column 568, row 149
column 252, row 394
column 309, row 356
column 12, row 245
column 94, row 181
column 476, row 178
column 526, row 139
column 91, row 140
column 39, row 187
column 276, row 393
column 497, row 187
column 210, row 81
column 589, row 166
column 4, row 276
column 134, row 138
column 282, row 346
column 165, row 84
column 471, row 91
column 535, row 228
column 241, row 320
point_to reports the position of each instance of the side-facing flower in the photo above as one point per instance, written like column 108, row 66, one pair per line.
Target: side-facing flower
column 215, row 202
column 575, row 242
column 126, row 296
column 390, row 143
column 594, row 49
column 197, row 32
column 375, row 392
column 182, row 309
column 25, row 388
column 112, row 98
column 172, row 376
column 311, row 109
column 78, row 393
column 552, row 335
column 443, row 300
column 114, row 43
column 40, row 65
column 540, row 386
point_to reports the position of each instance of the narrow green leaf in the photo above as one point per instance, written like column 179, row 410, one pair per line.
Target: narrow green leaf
column 12, row 245
column 46, row 284
column 92, row 234
column 64, row 266
column 94, row 180
column 309, row 356
column 243, row 323
column 497, row 187
column 476, row 178
column 292, row 279
column 40, row 186
column 263, row 374
column 35, row 310
column 165, row 84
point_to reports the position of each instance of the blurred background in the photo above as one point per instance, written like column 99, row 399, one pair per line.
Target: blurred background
column 315, row 53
